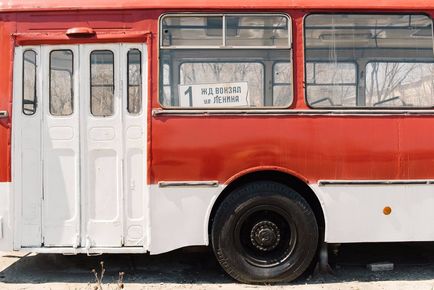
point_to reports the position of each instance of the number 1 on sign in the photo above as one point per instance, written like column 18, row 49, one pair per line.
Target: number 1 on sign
column 189, row 92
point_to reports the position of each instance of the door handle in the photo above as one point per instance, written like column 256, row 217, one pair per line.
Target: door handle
column 4, row 114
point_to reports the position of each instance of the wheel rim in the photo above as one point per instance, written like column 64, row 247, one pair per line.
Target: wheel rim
column 265, row 235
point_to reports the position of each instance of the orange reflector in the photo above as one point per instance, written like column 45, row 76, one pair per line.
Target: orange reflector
column 387, row 210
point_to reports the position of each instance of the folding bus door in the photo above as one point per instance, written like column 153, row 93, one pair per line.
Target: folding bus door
column 46, row 153
column 79, row 135
column 114, row 145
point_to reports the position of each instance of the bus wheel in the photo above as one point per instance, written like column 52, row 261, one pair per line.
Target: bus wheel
column 264, row 232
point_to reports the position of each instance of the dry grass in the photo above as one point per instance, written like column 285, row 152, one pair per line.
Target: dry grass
column 99, row 277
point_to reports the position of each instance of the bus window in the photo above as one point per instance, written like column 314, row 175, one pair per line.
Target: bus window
column 397, row 84
column 281, row 83
column 331, row 84
column 61, row 82
column 256, row 30
column 29, row 82
column 191, row 31
column 219, row 61
column 166, row 90
column 102, row 83
column 393, row 56
column 134, row 71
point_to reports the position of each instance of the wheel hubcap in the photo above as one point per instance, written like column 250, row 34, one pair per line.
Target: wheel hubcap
column 265, row 236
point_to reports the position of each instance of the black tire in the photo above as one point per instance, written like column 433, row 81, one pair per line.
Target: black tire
column 264, row 232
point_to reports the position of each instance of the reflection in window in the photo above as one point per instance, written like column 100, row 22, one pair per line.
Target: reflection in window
column 331, row 84
column 282, row 84
column 61, row 82
column 392, row 53
column 166, row 93
column 249, row 30
column 102, row 83
column 29, row 82
column 191, row 30
column 257, row 30
column 397, row 84
column 134, row 81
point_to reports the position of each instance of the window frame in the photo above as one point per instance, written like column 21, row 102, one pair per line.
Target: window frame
column 364, row 108
column 289, row 48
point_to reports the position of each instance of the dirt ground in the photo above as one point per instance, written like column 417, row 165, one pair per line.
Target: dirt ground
column 198, row 269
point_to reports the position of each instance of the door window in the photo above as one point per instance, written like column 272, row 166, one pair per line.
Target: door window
column 61, row 82
column 102, row 83
column 134, row 71
column 29, row 82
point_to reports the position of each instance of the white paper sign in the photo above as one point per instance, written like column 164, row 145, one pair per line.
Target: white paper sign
column 214, row 95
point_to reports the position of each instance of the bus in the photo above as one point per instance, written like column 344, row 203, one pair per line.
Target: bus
column 263, row 129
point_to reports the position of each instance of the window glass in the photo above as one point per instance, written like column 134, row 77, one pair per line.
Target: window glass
column 257, row 31
column 282, row 83
column 134, row 81
column 202, row 66
column 388, row 51
column 61, row 82
column 192, row 30
column 29, row 82
column 331, row 84
column 166, row 92
column 102, row 83
column 397, row 84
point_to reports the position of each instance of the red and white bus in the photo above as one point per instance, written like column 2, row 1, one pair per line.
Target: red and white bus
column 261, row 128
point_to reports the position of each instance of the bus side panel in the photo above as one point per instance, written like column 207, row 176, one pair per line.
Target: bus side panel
column 7, row 27
column 206, row 148
column 357, row 213
column 200, row 148
column 6, row 52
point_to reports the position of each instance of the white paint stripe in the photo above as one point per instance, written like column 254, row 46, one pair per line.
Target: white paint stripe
column 6, row 233
column 354, row 213
column 179, row 216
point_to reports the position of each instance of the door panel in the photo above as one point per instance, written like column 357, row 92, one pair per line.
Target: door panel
column 134, row 56
column 61, row 152
column 27, row 146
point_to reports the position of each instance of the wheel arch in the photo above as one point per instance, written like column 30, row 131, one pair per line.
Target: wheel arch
column 295, row 181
